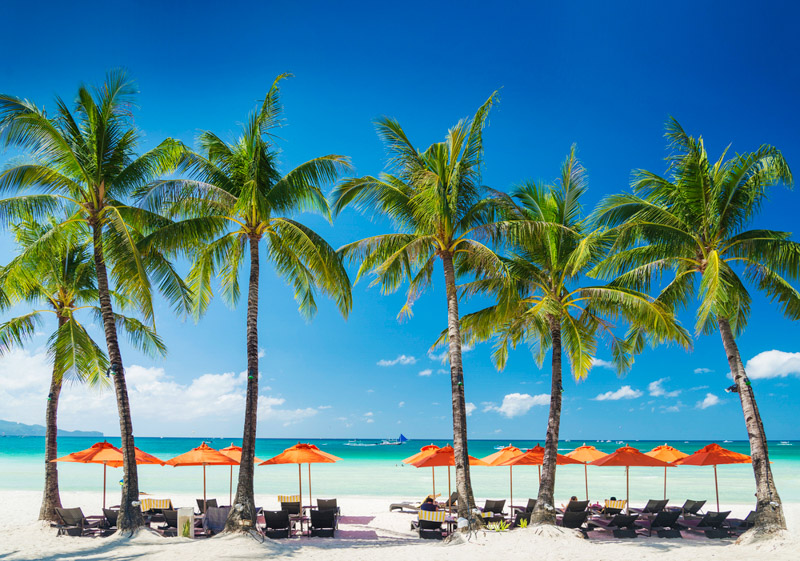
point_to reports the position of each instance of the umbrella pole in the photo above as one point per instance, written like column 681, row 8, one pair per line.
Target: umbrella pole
column 511, row 489
column 716, row 485
column 627, row 491
column 449, row 492
column 104, row 485
column 300, row 481
column 230, row 489
column 205, row 506
column 540, row 474
column 433, row 475
column 310, row 500
column 586, row 479
column 665, row 482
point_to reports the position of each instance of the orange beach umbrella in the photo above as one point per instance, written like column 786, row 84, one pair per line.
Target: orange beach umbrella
column 586, row 454
column 535, row 457
column 713, row 455
column 666, row 453
column 204, row 456
column 108, row 455
column 500, row 458
column 300, row 454
column 628, row 456
column 424, row 452
column 445, row 456
column 234, row 452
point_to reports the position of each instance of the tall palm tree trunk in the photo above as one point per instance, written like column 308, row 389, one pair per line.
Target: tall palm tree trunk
column 769, row 511
column 466, row 501
column 544, row 512
column 244, row 519
column 51, row 499
column 130, row 516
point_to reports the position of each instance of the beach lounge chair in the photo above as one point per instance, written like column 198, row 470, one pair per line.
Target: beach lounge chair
column 689, row 508
column 170, row 526
column 613, row 506
column 155, row 506
column 528, row 508
column 291, row 504
column 665, row 523
column 408, row 506
column 493, row 510
column 739, row 526
column 214, row 520
column 576, row 506
column 111, row 516
column 330, row 504
column 209, row 503
column 519, row 517
column 451, row 501
column 712, row 524
column 323, row 523
column 621, row 525
column 430, row 524
column 652, row 507
column 74, row 523
column 575, row 520
column 277, row 524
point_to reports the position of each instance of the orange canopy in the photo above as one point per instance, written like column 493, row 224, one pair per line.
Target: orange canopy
column 713, row 455
column 500, row 457
column 629, row 457
column 107, row 454
column 535, row 457
column 586, row 454
column 444, row 457
column 235, row 452
column 666, row 453
column 302, row 454
column 424, row 452
column 203, row 455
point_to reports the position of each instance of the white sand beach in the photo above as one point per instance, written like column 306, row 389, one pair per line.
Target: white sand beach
column 369, row 532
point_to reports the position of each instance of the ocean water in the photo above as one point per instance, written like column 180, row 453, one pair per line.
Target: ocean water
column 379, row 471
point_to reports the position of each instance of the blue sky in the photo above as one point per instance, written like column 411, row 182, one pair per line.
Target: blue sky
column 604, row 76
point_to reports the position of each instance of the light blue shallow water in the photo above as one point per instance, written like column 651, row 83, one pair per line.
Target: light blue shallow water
column 378, row 471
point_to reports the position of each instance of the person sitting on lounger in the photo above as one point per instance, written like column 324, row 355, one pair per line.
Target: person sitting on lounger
column 572, row 498
column 429, row 504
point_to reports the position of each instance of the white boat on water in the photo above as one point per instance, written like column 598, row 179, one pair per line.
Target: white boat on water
column 393, row 441
column 359, row 443
column 500, row 446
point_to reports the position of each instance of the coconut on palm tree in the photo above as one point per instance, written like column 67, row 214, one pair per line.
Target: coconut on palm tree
column 441, row 212
column 234, row 198
column 694, row 223
column 57, row 277
column 543, row 300
column 83, row 162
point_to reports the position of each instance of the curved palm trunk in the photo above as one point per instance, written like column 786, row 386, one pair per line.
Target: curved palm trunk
column 466, row 501
column 769, row 512
column 130, row 516
column 544, row 512
column 243, row 519
column 51, row 499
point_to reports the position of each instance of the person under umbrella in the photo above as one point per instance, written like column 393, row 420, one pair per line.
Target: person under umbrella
column 108, row 455
column 713, row 455
column 668, row 454
column 445, row 457
column 586, row 454
column 204, row 456
column 629, row 457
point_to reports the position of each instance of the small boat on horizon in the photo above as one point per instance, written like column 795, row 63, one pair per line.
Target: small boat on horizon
column 393, row 441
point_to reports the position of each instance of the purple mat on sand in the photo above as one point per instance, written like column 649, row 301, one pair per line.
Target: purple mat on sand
column 356, row 519
column 357, row 534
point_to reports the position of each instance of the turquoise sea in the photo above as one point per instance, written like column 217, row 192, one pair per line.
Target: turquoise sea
column 378, row 471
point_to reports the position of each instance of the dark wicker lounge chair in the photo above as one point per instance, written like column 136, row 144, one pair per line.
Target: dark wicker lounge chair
column 170, row 527
column 653, row 506
column 277, row 524
column 712, row 524
column 519, row 517
column 323, row 523
column 214, row 520
column 430, row 524
column 689, row 508
column 111, row 516
column 739, row 526
column 74, row 523
column 209, row 503
column 574, row 520
column 665, row 524
column 621, row 525
column 528, row 508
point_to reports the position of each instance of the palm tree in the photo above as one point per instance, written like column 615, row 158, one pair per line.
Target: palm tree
column 83, row 161
column 236, row 198
column 694, row 222
column 541, row 300
column 440, row 208
column 59, row 277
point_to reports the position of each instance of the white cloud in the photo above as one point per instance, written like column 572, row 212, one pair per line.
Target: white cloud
column 702, row 370
column 709, row 401
column 516, row 404
column 368, row 414
column 401, row 359
column 401, row 404
column 426, row 372
column 470, row 407
column 323, row 407
column 773, row 364
column 695, row 388
column 600, row 363
column 445, row 354
column 656, row 389
column 261, row 353
column 625, row 392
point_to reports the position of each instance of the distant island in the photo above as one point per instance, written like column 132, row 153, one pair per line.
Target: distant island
column 10, row 428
